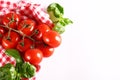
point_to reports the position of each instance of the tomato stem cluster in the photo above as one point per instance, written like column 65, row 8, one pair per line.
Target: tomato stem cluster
column 17, row 31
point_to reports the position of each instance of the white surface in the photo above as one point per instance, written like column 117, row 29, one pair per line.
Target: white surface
column 90, row 49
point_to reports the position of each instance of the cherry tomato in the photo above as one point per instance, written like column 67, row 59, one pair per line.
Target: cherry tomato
column 11, row 20
column 28, row 78
column 26, row 26
column 52, row 38
column 2, row 32
column 38, row 67
column 24, row 45
column 10, row 40
column 41, row 29
column 46, row 49
column 34, row 56
column 24, row 79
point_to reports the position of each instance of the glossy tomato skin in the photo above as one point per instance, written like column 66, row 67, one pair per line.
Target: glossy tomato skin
column 34, row 56
column 24, row 45
column 40, row 30
column 2, row 32
column 26, row 26
column 24, row 79
column 52, row 38
column 46, row 49
column 34, row 78
column 10, row 42
column 11, row 20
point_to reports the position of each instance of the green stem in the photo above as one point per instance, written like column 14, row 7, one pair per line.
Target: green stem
column 19, row 32
column 35, row 32
column 8, row 37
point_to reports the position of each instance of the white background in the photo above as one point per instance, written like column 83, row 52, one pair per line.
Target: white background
column 90, row 48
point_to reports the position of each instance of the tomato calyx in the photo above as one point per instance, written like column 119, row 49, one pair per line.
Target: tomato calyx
column 25, row 26
column 35, row 32
column 22, row 43
column 8, row 38
column 12, row 18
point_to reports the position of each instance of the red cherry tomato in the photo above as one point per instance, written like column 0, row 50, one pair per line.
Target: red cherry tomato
column 47, row 50
column 41, row 29
column 38, row 67
column 52, row 38
column 34, row 56
column 10, row 41
column 24, row 45
column 24, row 79
column 26, row 26
column 11, row 20
column 34, row 78
column 2, row 32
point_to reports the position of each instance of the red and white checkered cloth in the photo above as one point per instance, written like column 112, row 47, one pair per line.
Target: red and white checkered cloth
column 26, row 10
column 4, row 58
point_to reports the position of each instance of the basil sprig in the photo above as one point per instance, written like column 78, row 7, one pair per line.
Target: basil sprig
column 56, row 13
column 20, row 70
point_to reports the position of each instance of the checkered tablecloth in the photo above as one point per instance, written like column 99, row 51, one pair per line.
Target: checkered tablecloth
column 26, row 10
column 4, row 58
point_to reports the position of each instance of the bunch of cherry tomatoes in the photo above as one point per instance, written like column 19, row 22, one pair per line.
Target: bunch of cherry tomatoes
column 34, row 41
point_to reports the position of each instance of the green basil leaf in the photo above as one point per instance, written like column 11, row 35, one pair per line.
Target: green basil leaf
column 7, row 72
column 52, row 17
column 67, row 21
column 59, row 27
column 14, row 53
column 18, row 76
column 57, row 9
column 56, row 13
column 26, row 69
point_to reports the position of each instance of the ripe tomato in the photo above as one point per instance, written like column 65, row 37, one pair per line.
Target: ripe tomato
column 11, row 20
column 34, row 78
column 41, row 29
column 34, row 56
column 47, row 50
column 24, row 79
column 24, row 45
column 38, row 67
column 10, row 41
column 2, row 32
column 26, row 26
column 52, row 38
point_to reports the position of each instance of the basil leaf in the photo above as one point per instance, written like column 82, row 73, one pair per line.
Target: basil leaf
column 52, row 17
column 67, row 21
column 18, row 76
column 57, row 9
column 26, row 69
column 14, row 53
column 7, row 72
column 56, row 13
column 59, row 27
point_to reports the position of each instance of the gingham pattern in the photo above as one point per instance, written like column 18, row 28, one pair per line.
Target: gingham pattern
column 26, row 10
column 34, row 11
column 4, row 58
